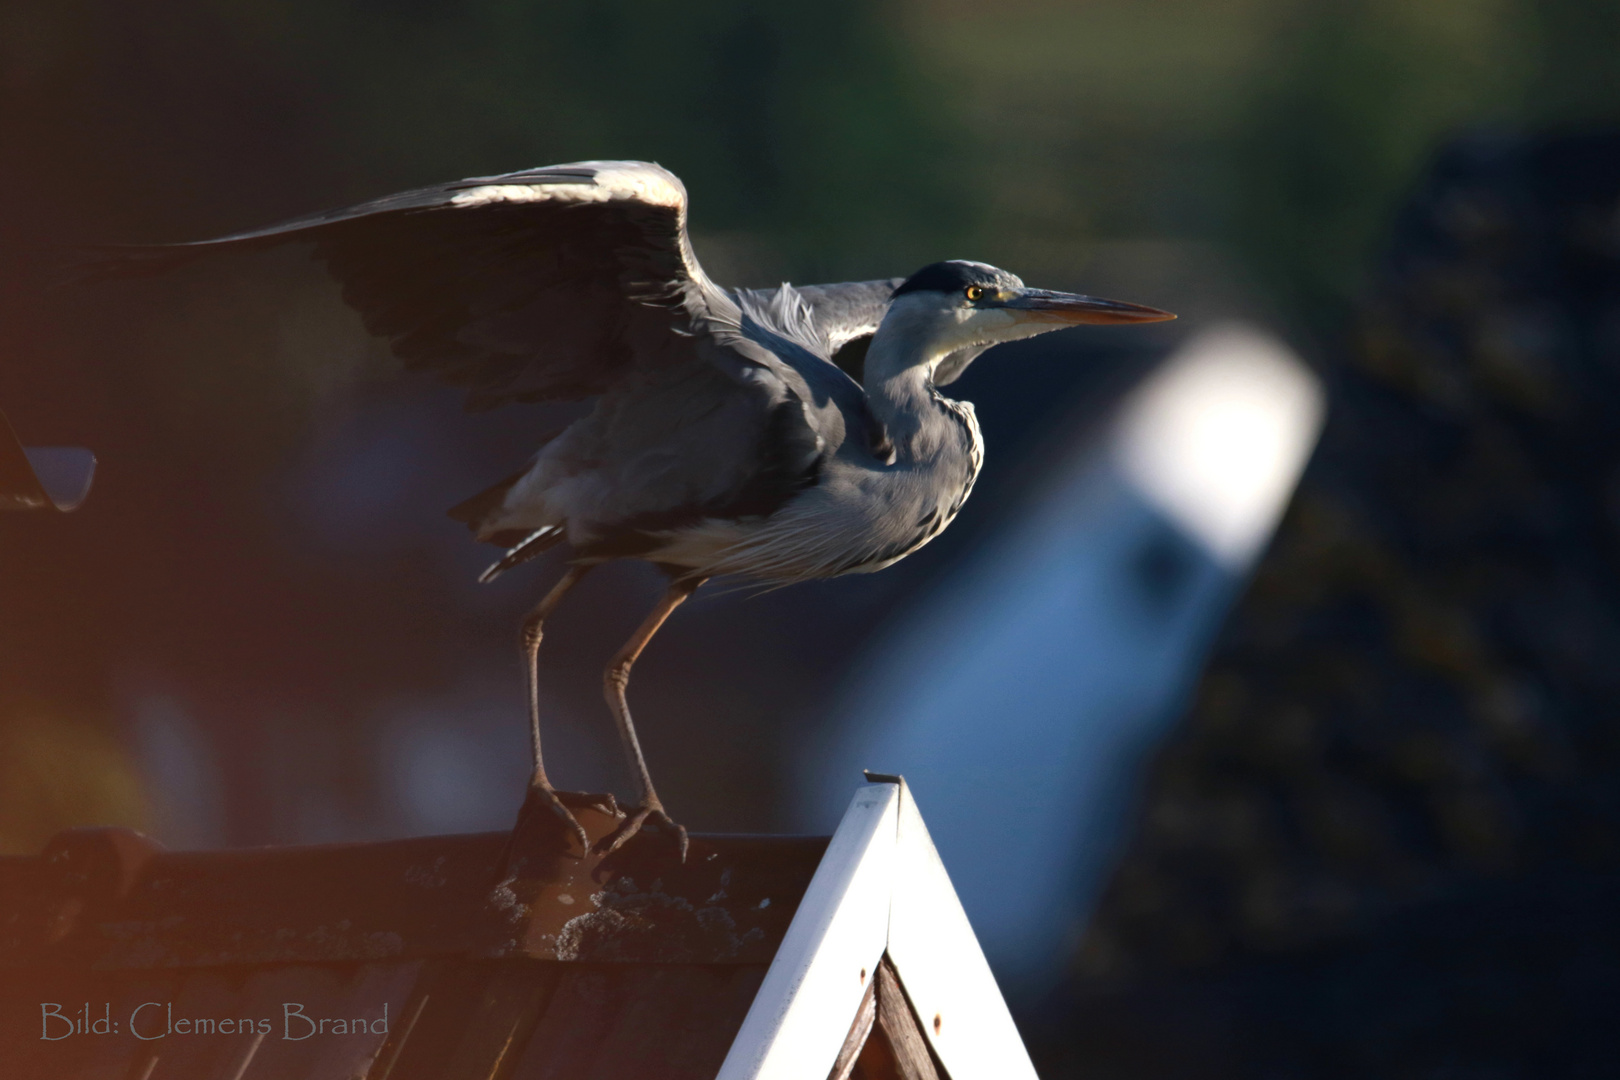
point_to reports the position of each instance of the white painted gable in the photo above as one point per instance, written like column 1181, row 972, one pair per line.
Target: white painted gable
column 880, row 888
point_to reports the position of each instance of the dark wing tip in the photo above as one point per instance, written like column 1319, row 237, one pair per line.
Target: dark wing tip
column 91, row 263
column 106, row 262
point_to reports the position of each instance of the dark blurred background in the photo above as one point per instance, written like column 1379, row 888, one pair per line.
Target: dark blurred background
column 1381, row 841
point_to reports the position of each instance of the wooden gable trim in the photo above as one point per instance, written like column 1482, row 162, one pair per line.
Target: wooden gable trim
column 886, row 1041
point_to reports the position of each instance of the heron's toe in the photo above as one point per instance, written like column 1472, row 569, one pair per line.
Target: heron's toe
column 602, row 801
column 547, row 796
column 655, row 813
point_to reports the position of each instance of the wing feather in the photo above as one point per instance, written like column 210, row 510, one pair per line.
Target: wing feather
column 518, row 287
column 579, row 280
column 853, row 309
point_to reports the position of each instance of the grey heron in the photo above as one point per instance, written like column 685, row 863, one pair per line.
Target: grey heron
column 724, row 440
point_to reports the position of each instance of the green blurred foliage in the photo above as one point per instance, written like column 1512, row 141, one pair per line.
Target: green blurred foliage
column 851, row 137
column 808, row 123
column 1335, row 129
column 1282, row 131
column 800, row 121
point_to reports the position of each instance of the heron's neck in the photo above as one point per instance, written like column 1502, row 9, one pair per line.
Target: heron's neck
column 898, row 379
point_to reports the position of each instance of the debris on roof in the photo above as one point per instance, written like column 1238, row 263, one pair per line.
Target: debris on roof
column 496, row 955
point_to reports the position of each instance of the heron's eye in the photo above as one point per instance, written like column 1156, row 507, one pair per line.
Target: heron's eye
column 974, row 292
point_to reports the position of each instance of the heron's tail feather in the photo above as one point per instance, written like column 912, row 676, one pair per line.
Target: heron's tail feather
column 537, row 542
column 473, row 511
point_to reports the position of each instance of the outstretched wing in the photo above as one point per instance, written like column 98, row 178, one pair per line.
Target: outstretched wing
column 527, row 286
column 578, row 280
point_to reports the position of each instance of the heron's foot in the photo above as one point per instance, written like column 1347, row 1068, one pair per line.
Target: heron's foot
column 542, row 795
column 652, row 811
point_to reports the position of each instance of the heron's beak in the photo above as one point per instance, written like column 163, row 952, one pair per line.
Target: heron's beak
column 1043, row 305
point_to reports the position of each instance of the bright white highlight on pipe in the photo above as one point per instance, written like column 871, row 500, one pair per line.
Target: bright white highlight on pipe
column 1218, row 436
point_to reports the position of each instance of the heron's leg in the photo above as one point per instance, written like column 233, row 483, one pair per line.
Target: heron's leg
column 615, row 680
column 533, row 628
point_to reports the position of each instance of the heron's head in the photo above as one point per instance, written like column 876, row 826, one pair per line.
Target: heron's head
column 956, row 309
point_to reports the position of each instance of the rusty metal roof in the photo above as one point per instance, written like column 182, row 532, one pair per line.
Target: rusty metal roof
column 502, row 957
column 524, row 961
